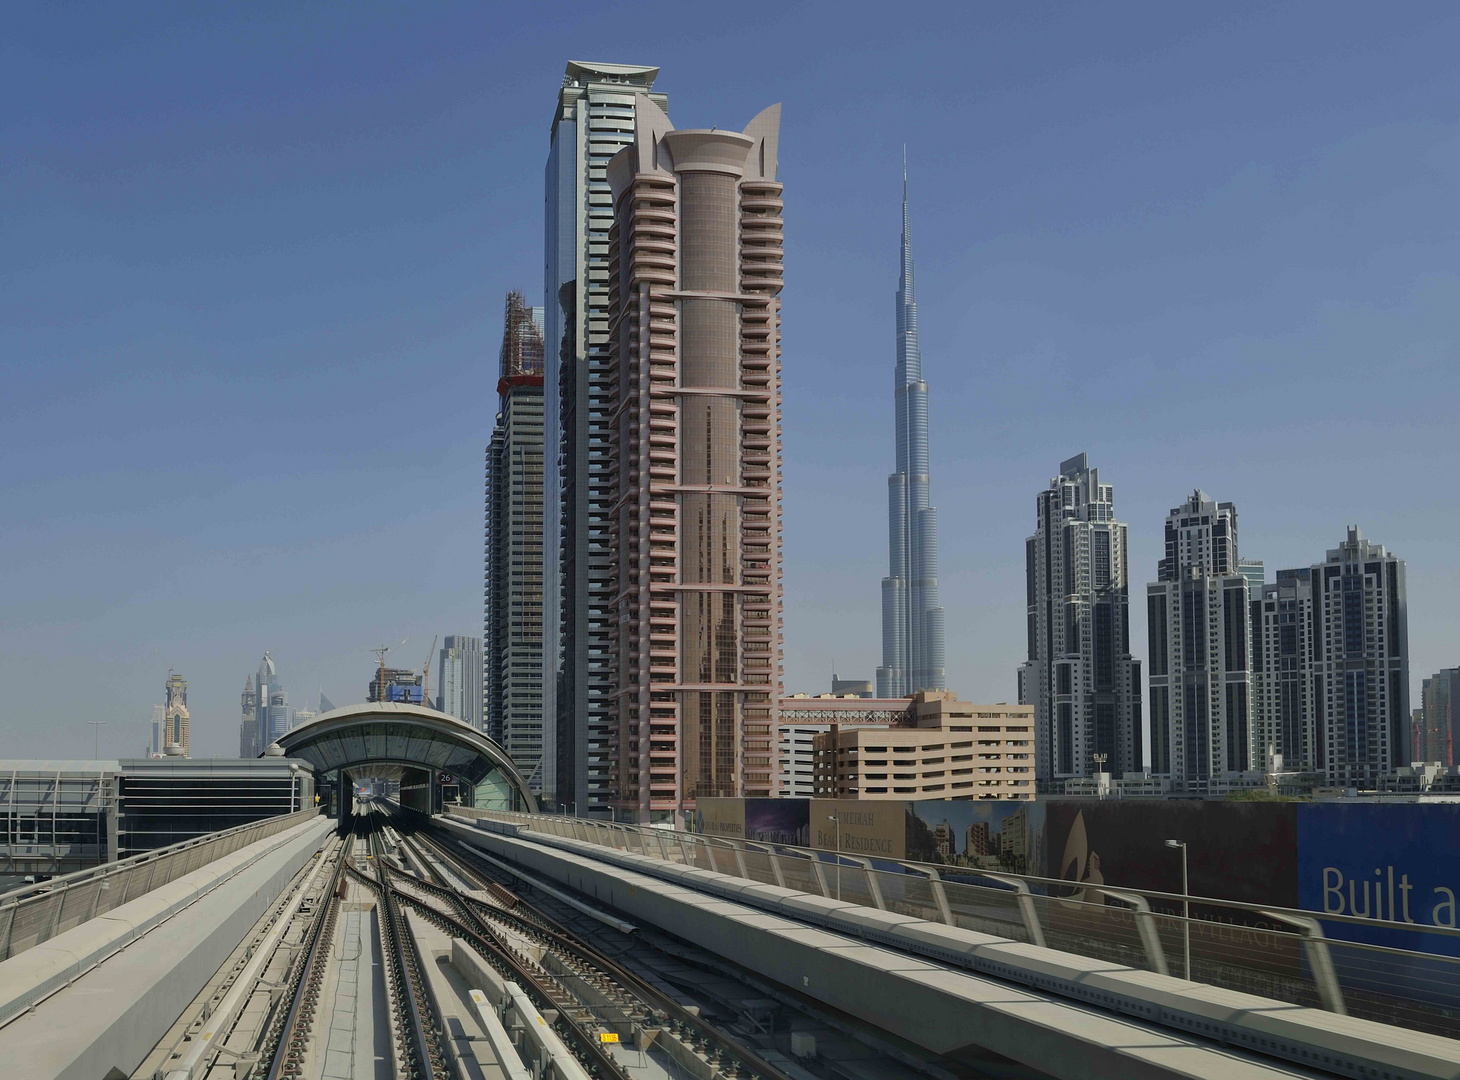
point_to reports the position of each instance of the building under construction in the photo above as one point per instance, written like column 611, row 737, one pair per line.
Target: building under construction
column 398, row 685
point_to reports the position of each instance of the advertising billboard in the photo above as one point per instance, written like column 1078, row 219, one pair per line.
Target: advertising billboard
column 1397, row 863
column 1242, row 851
column 1234, row 850
column 778, row 821
column 872, row 828
column 718, row 817
column 987, row 834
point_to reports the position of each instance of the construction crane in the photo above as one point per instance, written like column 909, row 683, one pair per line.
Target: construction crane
column 426, row 674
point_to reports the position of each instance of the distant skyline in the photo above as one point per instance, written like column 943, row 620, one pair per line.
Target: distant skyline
column 252, row 262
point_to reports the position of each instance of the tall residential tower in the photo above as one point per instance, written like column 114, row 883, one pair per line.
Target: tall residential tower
column 1438, row 737
column 694, row 321
column 912, row 618
column 1282, row 672
column 1080, row 677
column 273, row 704
column 1198, row 618
column 513, row 637
column 1361, row 660
column 593, row 120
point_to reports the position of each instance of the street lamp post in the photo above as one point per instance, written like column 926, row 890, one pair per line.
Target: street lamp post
column 1185, row 905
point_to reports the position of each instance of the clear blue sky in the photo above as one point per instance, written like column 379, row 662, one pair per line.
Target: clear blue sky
column 252, row 262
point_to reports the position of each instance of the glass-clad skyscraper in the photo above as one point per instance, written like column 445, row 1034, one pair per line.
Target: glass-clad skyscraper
column 594, row 119
column 459, row 669
column 912, row 618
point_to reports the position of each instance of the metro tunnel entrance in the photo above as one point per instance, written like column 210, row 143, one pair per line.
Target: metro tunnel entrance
column 423, row 758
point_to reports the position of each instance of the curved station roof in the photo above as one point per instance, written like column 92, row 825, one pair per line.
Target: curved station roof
column 392, row 734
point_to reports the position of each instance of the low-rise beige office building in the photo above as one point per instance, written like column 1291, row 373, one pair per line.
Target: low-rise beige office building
column 803, row 717
column 953, row 750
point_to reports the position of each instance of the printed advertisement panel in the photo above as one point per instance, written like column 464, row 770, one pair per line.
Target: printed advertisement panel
column 1396, row 863
column 1399, row 863
column 1234, row 850
column 778, row 821
column 872, row 828
column 987, row 834
column 718, row 817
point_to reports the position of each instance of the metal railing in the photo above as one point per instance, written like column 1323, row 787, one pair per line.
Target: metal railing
column 36, row 913
column 1412, row 981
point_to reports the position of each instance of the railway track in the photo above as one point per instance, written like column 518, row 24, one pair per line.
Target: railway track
column 638, row 1001
column 357, row 972
column 270, row 1012
column 417, row 1030
column 290, row 1043
column 287, row 1035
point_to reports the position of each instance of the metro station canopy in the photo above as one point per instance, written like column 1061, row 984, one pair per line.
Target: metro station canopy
column 409, row 736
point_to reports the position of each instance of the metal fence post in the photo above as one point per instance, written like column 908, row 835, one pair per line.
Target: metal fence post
column 940, row 894
column 874, row 885
column 9, row 928
column 816, row 867
column 773, row 858
column 101, row 884
column 1146, row 924
column 1026, row 904
column 739, row 858
column 1320, row 960
column 57, row 899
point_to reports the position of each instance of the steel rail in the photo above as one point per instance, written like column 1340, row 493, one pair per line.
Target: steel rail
column 287, row 1038
column 588, row 1050
column 220, row 1016
column 563, row 1000
column 419, row 1035
column 560, row 939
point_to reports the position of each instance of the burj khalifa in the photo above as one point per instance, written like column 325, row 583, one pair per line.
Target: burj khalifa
column 912, row 618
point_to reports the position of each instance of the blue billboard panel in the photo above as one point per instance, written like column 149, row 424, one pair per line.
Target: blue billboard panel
column 1397, row 863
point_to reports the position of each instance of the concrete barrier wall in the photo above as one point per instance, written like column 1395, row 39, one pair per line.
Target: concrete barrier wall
column 941, row 1010
column 944, row 1009
column 118, row 983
